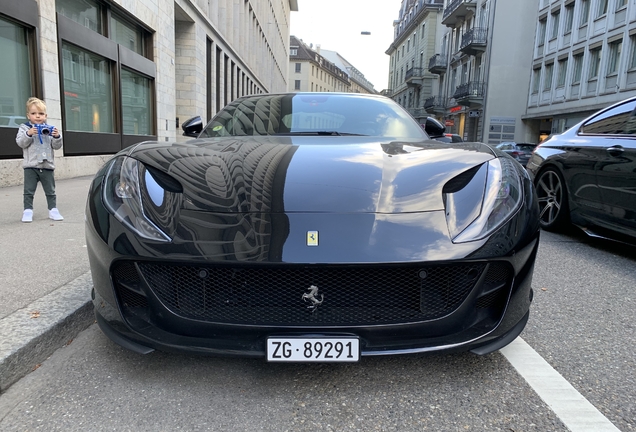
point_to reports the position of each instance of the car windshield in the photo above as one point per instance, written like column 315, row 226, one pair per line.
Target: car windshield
column 11, row 121
column 314, row 114
column 506, row 146
column 526, row 147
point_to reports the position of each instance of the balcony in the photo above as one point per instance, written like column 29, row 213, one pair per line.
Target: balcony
column 418, row 113
column 474, row 41
column 470, row 94
column 410, row 20
column 457, row 11
column 438, row 64
column 413, row 77
column 436, row 104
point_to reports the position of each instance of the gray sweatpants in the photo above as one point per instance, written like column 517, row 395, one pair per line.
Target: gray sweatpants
column 31, row 178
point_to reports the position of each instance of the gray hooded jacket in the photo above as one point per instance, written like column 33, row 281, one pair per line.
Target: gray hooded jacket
column 37, row 154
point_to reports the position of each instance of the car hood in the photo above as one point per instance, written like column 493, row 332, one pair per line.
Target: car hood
column 310, row 174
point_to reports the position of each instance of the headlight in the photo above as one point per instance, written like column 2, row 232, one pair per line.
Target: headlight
column 123, row 198
column 481, row 200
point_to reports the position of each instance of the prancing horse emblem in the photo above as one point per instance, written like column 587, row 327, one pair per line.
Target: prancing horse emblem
column 312, row 296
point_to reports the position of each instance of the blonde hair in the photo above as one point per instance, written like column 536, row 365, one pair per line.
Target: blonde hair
column 39, row 104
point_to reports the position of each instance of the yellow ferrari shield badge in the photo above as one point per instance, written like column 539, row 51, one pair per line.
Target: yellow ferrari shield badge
column 312, row 238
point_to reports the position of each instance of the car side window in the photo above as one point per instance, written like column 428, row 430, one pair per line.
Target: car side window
column 620, row 120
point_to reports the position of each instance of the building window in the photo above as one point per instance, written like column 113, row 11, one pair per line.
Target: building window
column 632, row 53
column 602, row 8
column 458, row 36
column 15, row 86
column 293, row 51
column 297, row 67
column 578, row 68
column 547, row 81
column 127, row 35
column 297, row 85
column 107, row 84
column 541, row 34
column 20, row 71
column 563, row 70
column 595, row 63
column 137, row 112
column 585, row 12
column 620, row 4
column 569, row 18
column 477, row 68
column 87, row 91
column 555, row 25
column 536, row 78
column 613, row 60
column 87, row 13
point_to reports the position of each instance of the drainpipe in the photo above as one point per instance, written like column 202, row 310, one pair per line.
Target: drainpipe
column 492, row 10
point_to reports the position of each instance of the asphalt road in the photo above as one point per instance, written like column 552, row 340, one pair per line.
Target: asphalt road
column 582, row 324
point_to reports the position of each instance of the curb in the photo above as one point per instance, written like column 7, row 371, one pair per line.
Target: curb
column 31, row 334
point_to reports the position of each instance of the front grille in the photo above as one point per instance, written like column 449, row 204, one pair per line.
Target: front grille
column 350, row 294
column 127, row 284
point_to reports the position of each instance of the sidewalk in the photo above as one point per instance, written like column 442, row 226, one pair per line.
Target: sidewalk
column 45, row 281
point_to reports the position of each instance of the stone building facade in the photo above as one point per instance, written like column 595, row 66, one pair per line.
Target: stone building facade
column 416, row 34
column 466, row 63
column 583, row 59
column 115, row 72
column 311, row 72
column 359, row 84
column 314, row 70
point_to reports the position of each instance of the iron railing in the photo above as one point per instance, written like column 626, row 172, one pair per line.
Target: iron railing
column 436, row 103
column 474, row 36
column 414, row 72
column 473, row 89
column 453, row 6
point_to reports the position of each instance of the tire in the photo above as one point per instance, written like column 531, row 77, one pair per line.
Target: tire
column 554, row 211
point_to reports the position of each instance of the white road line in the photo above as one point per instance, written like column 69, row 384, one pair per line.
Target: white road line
column 576, row 412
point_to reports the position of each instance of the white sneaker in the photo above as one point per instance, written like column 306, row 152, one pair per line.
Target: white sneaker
column 27, row 216
column 55, row 215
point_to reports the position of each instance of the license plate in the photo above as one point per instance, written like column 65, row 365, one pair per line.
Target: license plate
column 313, row 349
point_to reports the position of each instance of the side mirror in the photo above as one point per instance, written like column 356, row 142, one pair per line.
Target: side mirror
column 192, row 127
column 434, row 128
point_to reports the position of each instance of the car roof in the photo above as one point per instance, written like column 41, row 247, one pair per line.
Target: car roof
column 315, row 94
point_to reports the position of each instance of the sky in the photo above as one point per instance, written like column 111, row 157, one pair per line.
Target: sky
column 336, row 25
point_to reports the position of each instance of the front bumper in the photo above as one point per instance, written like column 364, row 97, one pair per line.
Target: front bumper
column 483, row 321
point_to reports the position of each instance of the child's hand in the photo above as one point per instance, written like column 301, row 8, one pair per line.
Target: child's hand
column 33, row 131
column 55, row 132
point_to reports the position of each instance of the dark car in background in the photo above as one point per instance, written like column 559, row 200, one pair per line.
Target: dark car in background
column 587, row 175
column 314, row 227
column 519, row 151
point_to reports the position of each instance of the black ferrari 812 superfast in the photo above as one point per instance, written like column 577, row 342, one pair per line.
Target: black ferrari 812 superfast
column 312, row 227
